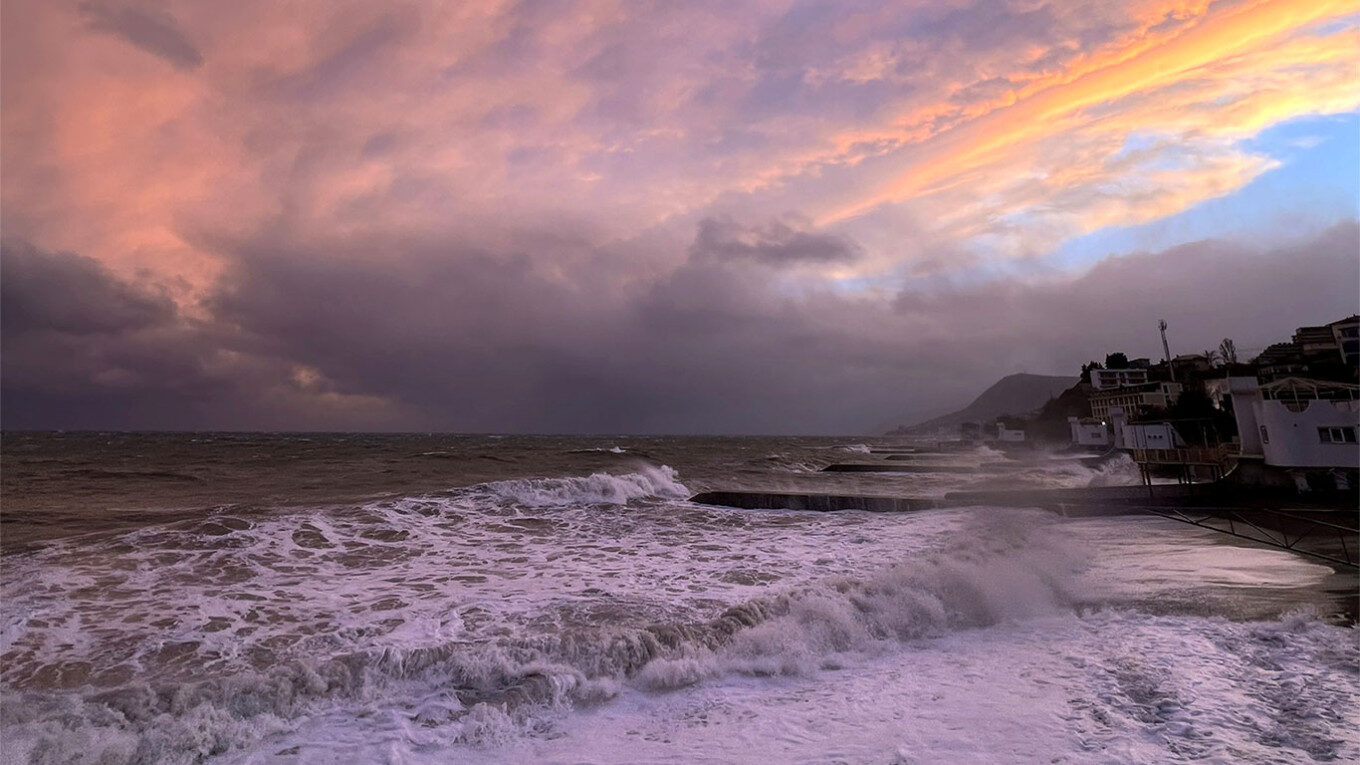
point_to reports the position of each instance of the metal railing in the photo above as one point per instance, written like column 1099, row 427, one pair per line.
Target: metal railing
column 1333, row 542
column 1195, row 455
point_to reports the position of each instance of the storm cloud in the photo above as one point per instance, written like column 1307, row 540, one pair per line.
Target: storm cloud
column 680, row 217
column 448, row 338
column 777, row 242
column 155, row 33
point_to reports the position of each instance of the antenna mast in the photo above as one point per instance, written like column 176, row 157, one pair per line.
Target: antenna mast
column 1166, row 349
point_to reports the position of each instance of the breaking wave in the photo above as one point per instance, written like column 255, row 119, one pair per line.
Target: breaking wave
column 785, row 463
column 659, row 482
column 999, row 570
column 482, row 614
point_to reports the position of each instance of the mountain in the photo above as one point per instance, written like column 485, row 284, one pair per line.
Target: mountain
column 1013, row 394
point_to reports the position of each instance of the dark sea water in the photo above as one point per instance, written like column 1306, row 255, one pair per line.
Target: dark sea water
column 436, row 598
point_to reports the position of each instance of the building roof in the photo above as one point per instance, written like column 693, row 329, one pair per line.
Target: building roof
column 1147, row 387
column 1302, row 388
column 1278, row 352
column 1322, row 334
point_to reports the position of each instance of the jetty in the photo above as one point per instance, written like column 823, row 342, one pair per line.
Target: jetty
column 1320, row 525
column 884, row 467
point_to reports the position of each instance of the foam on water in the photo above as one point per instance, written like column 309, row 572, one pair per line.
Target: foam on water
column 304, row 608
column 1104, row 687
column 605, row 618
column 997, row 570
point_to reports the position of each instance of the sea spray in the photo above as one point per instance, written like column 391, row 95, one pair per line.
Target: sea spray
column 570, row 604
column 975, row 582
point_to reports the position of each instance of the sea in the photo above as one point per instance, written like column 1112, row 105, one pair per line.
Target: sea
column 333, row 598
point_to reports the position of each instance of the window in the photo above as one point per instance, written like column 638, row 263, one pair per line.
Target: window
column 1337, row 435
column 1265, row 436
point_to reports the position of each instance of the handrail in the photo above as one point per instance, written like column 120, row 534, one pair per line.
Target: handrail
column 1196, row 455
column 1274, row 537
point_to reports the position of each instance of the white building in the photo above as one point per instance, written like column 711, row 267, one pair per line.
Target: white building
column 1240, row 396
column 1134, row 400
column 1009, row 435
column 1146, row 435
column 1088, row 432
column 1347, row 333
column 1305, row 424
column 1106, row 379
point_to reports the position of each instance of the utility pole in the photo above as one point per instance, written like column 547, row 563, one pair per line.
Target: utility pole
column 1166, row 349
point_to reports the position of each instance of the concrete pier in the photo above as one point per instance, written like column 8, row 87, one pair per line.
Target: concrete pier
column 769, row 500
column 1319, row 524
column 885, row 467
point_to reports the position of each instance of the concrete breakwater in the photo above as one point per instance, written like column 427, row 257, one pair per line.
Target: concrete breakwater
column 1321, row 524
column 1096, row 500
column 884, row 467
column 825, row 503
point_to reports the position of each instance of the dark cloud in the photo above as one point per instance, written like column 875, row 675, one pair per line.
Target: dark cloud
column 776, row 243
column 558, row 336
column 1206, row 290
column 156, row 33
column 66, row 293
column 549, row 339
column 379, row 145
column 81, row 348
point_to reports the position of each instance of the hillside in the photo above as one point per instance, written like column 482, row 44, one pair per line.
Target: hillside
column 1013, row 394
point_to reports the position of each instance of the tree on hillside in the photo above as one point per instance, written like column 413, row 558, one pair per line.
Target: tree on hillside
column 1199, row 421
column 1116, row 361
column 1227, row 350
column 1086, row 370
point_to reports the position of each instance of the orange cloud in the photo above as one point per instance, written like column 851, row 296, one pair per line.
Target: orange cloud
column 487, row 120
column 1046, row 107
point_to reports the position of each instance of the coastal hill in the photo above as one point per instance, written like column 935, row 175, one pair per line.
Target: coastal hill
column 1013, row 394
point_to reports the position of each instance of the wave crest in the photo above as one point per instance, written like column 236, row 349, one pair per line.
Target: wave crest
column 650, row 482
column 472, row 692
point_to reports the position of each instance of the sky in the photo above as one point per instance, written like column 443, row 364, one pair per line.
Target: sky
column 633, row 217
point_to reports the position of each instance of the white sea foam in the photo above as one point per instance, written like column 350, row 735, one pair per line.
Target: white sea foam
column 798, row 630
column 660, row 482
column 605, row 618
column 1105, row 687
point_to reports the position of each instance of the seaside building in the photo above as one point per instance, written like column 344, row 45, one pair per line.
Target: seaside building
column 1309, row 423
column 1235, row 395
column 1108, row 379
column 1134, row 400
column 1280, row 360
column 1316, row 341
column 1191, row 364
column 1143, row 435
column 1335, row 343
column 1307, row 430
column 1327, row 352
column 1338, row 341
column 1088, row 431
column 1009, row 435
column 970, row 432
column 1347, row 334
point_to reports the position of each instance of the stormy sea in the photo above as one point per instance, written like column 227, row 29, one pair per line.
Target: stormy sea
column 430, row 598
